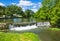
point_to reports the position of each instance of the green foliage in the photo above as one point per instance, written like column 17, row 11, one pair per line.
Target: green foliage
column 2, row 10
column 13, row 9
column 50, row 11
column 18, row 37
column 28, row 13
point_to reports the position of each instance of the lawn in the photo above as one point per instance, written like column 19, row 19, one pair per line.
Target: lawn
column 50, row 34
column 18, row 37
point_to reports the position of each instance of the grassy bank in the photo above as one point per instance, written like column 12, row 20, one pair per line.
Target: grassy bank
column 18, row 37
column 51, row 34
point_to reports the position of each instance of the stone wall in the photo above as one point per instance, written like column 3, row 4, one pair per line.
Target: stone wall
column 2, row 25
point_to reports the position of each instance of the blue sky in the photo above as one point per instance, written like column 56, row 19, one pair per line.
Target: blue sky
column 25, row 4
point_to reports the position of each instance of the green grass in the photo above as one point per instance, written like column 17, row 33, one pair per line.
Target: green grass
column 51, row 34
column 18, row 37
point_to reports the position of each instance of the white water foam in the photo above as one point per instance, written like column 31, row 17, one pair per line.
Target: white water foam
column 23, row 28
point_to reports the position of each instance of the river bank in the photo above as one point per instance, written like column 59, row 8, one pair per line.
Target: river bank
column 51, row 34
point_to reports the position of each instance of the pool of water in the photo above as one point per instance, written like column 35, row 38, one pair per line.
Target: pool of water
column 16, row 20
column 20, row 20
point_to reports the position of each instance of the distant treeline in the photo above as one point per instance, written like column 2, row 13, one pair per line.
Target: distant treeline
column 15, row 11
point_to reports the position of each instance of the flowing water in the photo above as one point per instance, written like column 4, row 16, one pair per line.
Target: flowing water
column 29, row 28
column 22, row 29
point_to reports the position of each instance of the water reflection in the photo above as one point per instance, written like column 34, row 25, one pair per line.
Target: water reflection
column 16, row 20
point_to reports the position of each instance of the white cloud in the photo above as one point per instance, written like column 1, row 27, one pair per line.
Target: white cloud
column 1, row 4
column 24, row 3
column 34, row 10
column 40, row 4
column 36, row 6
column 23, row 9
column 13, row 3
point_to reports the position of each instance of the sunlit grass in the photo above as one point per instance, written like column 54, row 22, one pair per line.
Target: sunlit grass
column 55, row 29
column 18, row 37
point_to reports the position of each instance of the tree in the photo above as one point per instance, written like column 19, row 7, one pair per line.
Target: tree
column 57, row 13
column 13, row 9
column 2, row 10
column 50, row 11
column 28, row 13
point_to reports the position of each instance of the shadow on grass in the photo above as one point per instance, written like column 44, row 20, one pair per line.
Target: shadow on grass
column 51, row 34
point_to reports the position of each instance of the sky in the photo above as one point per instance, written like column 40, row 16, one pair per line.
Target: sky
column 33, row 5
